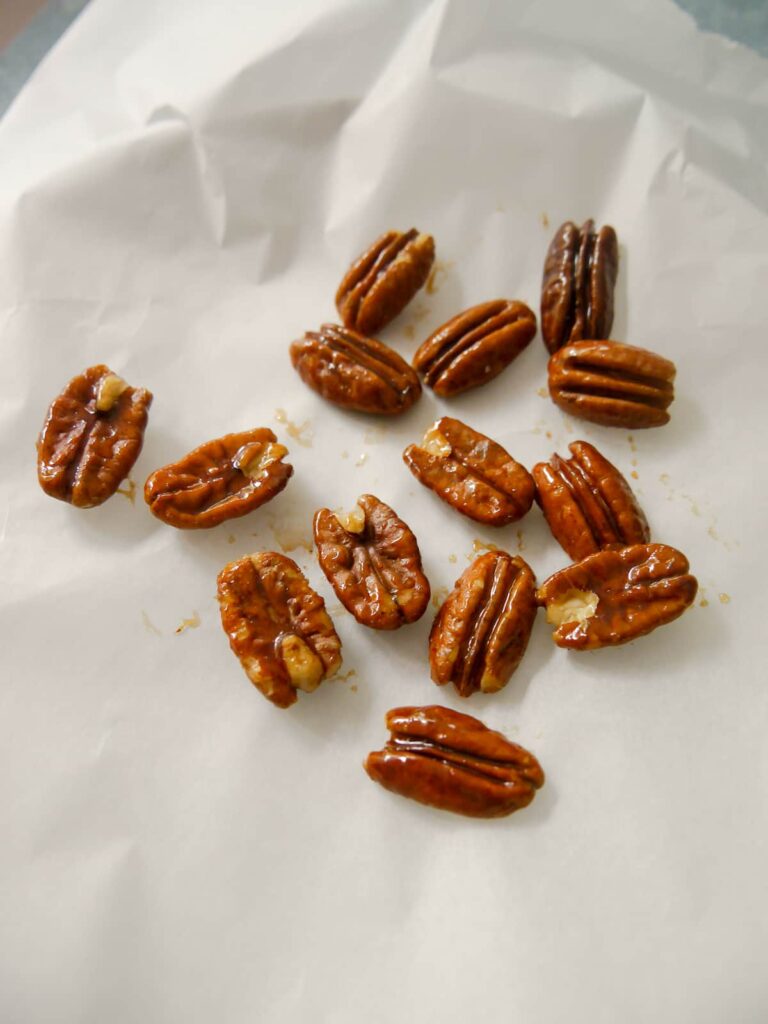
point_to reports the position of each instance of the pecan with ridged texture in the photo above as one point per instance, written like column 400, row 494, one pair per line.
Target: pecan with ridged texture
column 355, row 372
column 588, row 503
column 382, row 281
column 611, row 383
column 452, row 761
column 372, row 561
column 617, row 595
column 577, row 288
column 471, row 472
column 92, row 435
column 277, row 626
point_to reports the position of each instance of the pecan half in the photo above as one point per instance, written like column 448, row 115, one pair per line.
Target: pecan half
column 474, row 346
column 355, row 372
column 587, row 502
column 471, row 472
column 480, row 634
column 382, row 281
column 219, row 480
column 277, row 626
column 611, row 383
column 372, row 561
column 577, row 288
column 617, row 595
column 92, row 435
column 452, row 761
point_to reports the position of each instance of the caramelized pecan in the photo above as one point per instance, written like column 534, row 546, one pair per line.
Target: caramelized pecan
column 587, row 502
column 611, row 383
column 92, row 435
column 382, row 281
column 617, row 595
column 452, row 761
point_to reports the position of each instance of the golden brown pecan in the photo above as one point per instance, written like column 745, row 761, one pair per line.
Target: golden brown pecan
column 219, row 480
column 452, row 761
column 372, row 561
column 480, row 634
column 611, row 383
column 355, row 372
column 474, row 346
column 587, row 502
column 617, row 595
column 471, row 472
column 92, row 435
column 382, row 281
column 277, row 626
column 577, row 288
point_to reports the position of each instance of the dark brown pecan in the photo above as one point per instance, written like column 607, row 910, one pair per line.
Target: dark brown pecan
column 372, row 561
column 355, row 372
column 611, row 383
column 219, row 480
column 471, row 472
column 588, row 503
column 617, row 595
column 382, row 281
column 92, row 435
column 452, row 761
column 474, row 346
column 577, row 289
column 277, row 626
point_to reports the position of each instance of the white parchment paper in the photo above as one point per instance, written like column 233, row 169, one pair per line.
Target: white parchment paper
column 182, row 185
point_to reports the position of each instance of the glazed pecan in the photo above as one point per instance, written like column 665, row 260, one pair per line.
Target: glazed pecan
column 372, row 561
column 92, row 435
column 277, row 626
column 474, row 346
column 587, row 502
column 577, row 288
column 480, row 634
column 452, row 761
column 611, row 383
column 220, row 480
column 382, row 281
column 617, row 595
column 355, row 372
column 471, row 472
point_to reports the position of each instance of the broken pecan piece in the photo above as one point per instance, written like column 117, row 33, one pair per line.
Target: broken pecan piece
column 471, row 472
column 277, row 626
column 452, row 761
column 382, row 281
column 587, row 502
column 611, row 383
column 617, row 595
column 372, row 561
column 92, row 435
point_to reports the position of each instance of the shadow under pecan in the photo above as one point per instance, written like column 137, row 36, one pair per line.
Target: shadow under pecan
column 92, row 435
column 372, row 561
column 452, row 761
column 587, row 502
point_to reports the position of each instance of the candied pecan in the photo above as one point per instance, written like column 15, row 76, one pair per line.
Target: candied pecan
column 219, row 480
column 382, row 281
column 587, row 502
column 471, row 472
column 92, row 435
column 355, row 372
column 372, row 561
column 474, row 346
column 617, row 595
column 277, row 626
column 577, row 288
column 452, row 761
column 480, row 634
column 611, row 383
